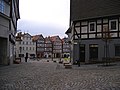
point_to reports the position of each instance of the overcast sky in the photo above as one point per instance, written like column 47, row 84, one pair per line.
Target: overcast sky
column 47, row 17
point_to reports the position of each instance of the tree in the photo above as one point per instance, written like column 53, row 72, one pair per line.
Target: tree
column 106, row 38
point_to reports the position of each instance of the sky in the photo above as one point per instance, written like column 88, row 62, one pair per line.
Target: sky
column 47, row 17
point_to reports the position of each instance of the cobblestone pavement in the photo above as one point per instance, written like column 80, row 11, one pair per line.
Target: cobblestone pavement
column 42, row 75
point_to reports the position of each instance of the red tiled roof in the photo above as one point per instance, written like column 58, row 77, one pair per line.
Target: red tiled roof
column 36, row 37
column 53, row 38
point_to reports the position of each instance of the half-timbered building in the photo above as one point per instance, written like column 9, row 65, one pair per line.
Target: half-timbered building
column 40, row 45
column 57, row 46
column 48, row 48
column 65, row 47
column 94, row 26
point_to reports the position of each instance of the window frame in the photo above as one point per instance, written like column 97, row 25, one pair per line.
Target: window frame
column 110, row 25
column 94, row 27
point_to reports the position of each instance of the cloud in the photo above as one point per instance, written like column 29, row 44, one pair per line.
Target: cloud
column 49, row 17
column 47, row 29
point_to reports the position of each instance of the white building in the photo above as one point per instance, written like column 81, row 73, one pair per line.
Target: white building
column 25, row 44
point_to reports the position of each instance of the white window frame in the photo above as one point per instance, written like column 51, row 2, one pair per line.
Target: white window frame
column 116, row 25
column 94, row 26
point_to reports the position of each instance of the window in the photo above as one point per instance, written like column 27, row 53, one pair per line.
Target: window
column 23, row 48
column 20, row 48
column 26, row 48
column 30, row 48
column 113, row 25
column 92, row 27
column 26, row 43
column 2, row 6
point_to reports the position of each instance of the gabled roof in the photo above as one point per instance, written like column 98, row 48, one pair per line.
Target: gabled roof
column 20, row 34
column 47, row 39
column 86, row 9
column 26, row 34
column 54, row 38
column 68, row 31
column 65, row 40
column 37, row 37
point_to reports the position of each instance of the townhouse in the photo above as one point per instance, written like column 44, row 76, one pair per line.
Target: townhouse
column 25, row 45
column 40, row 45
column 65, row 47
column 48, row 48
column 57, row 46
column 94, row 29
column 9, row 15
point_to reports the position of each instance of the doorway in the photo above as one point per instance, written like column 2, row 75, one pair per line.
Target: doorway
column 82, row 53
column 93, row 52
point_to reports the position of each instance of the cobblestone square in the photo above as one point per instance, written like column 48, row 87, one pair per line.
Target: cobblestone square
column 43, row 75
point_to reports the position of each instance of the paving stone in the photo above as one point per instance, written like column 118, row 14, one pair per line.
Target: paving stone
column 43, row 75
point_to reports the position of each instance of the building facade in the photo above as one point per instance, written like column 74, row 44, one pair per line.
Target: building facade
column 94, row 29
column 40, row 45
column 48, row 48
column 65, row 47
column 57, row 46
column 9, row 14
column 24, row 45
